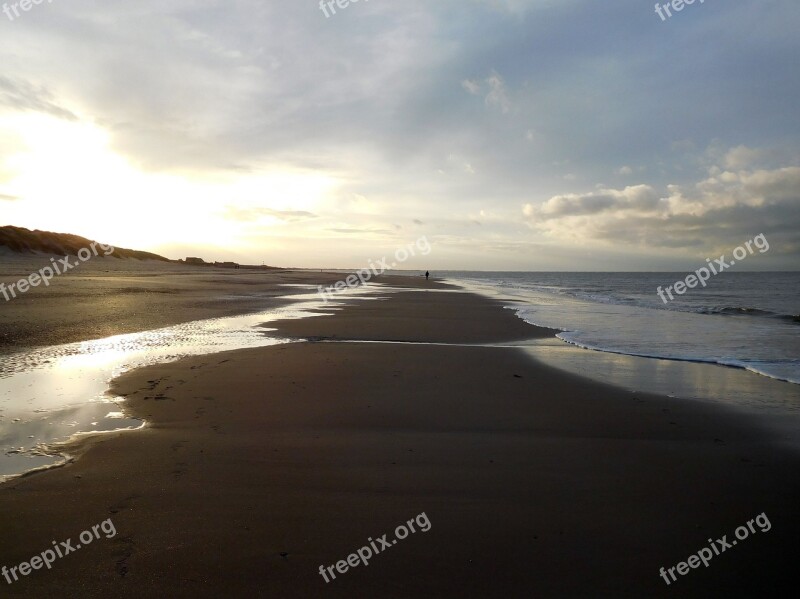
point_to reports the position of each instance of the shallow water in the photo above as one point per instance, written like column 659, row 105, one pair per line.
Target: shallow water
column 51, row 393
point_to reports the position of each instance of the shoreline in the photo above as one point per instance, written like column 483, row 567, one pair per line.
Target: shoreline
column 307, row 449
column 756, row 339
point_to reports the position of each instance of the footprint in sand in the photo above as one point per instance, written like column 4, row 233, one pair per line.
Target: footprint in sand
column 180, row 470
column 153, row 384
column 123, row 504
column 125, row 552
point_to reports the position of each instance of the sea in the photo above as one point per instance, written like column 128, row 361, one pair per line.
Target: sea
column 746, row 320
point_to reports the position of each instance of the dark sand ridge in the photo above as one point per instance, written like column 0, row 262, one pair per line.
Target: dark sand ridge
column 537, row 483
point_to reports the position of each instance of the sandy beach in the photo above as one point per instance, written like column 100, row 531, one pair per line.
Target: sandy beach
column 126, row 296
column 259, row 466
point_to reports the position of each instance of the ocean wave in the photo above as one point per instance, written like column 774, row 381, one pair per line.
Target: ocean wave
column 779, row 369
column 737, row 311
column 609, row 296
column 759, row 339
column 762, row 368
column 734, row 311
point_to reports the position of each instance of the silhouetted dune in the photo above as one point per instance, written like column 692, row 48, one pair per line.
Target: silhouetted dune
column 25, row 241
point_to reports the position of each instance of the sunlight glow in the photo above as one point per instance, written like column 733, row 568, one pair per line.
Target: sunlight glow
column 69, row 180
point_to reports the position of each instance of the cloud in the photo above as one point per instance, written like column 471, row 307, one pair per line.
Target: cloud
column 742, row 157
column 631, row 199
column 20, row 94
column 724, row 208
column 493, row 88
column 361, row 230
column 8, row 198
column 471, row 86
column 235, row 213
column 497, row 96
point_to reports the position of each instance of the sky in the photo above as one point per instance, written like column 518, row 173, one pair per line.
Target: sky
column 509, row 134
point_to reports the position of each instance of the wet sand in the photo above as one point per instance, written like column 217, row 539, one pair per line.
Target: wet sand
column 107, row 296
column 260, row 465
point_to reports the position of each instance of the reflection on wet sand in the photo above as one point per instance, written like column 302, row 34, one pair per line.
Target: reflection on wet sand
column 50, row 393
column 775, row 403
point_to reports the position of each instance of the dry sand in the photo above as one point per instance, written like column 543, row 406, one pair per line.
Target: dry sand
column 536, row 483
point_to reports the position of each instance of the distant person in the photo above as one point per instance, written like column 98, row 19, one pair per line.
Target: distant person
column 427, row 274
